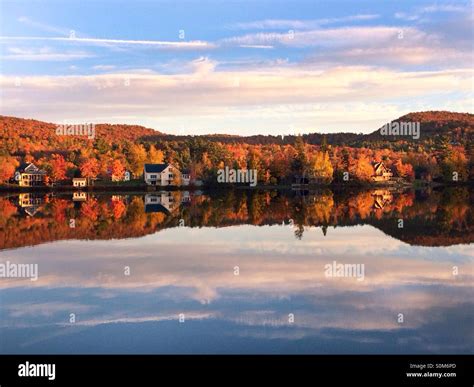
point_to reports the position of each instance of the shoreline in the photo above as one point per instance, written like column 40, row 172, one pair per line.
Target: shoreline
column 146, row 188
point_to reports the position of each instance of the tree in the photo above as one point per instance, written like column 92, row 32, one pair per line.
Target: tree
column 117, row 170
column 176, row 178
column 363, row 170
column 322, row 168
column 8, row 166
column 300, row 161
column 404, row 170
column 58, row 167
column 137, row 157
column 155, row 156
column 89, row 168
column 455, row 164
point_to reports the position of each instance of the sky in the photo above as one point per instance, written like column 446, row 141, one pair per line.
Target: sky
column 237, row 67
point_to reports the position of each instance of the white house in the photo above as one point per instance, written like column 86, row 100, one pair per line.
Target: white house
column 164, row 175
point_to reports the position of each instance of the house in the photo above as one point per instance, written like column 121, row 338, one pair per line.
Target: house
column 185, row 177
column 29, row 175
column 381, row 172
column 30, row 203
column 79, row 182
column 164, row 175
column 115, row 178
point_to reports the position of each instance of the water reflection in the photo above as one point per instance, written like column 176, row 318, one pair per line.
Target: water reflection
column 189, row 267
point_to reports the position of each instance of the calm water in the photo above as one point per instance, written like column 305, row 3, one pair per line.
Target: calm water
column 243, row 271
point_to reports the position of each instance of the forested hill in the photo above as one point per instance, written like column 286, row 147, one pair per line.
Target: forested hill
column 12, row 128
column 445, row 146
column 457, row 127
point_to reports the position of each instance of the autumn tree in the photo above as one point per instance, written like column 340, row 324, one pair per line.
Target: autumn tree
column 58, row 167
column 117, row 170
column 155, row 156
column 322, row 168
column 404, row 170
column 137, row 157
column 363, row 169
column 454, row 165
column 8, row 166
column 89, row 168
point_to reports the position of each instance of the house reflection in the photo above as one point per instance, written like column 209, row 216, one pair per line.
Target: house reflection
column 30, row 203
column 382, row 198
column 79, row 196
column 166, row 201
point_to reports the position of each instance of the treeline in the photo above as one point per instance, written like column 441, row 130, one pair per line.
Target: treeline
column 434, row 218
column 445, row 156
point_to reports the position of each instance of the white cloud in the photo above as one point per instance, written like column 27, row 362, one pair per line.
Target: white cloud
column 104, row 67
column 333, row 37
column 202, row 98
column 191, row 44
column 43, row 54
column 42, row 26
column 300, row 24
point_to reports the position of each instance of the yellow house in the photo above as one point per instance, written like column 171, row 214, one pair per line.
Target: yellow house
column 29, row 175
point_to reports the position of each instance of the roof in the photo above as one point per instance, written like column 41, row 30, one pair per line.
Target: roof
column 379, row 164
column 30, row 168
column 155, row 168
column 79, row 178
column 149, row 208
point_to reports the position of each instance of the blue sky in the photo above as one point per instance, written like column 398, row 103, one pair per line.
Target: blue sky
column 242, row 67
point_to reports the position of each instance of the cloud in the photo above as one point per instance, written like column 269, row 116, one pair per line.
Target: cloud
column 42, row 26
column 192, row 44
column 299, row 24
column 330, row 38
column 421, row 12
column 443, row 8
column 256, row 46
column 104, row 67
column 43, row 54
column 206, row 98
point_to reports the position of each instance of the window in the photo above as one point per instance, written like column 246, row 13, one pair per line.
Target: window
column 153, row 177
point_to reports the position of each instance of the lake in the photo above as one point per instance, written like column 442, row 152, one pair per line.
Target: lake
column 238, row 271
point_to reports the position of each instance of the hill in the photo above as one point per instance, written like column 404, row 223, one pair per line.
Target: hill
column 444, row 147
